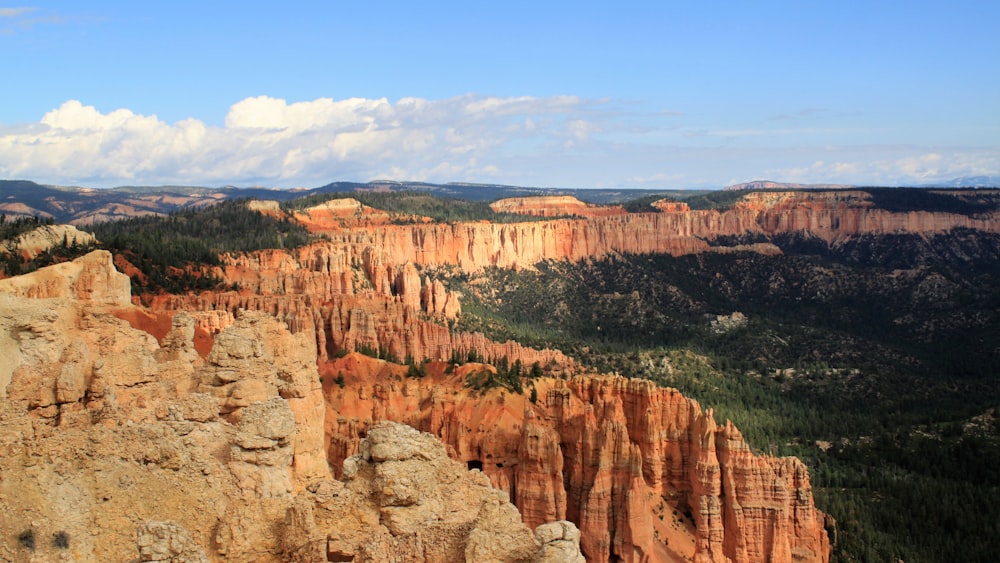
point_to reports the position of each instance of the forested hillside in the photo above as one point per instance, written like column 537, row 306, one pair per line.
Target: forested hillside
column 172, row 253
column 875, row 361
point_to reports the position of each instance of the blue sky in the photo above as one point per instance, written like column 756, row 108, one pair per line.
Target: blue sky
column 569, row 94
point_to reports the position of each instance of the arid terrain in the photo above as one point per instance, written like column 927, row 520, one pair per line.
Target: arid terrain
column 615, row 382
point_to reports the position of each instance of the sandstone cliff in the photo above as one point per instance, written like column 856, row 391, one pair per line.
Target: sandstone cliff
column 34, row 242
column 115, row 444
column 615, row 456
column 678, row 230
column 554, row 206
column 371, row 285
column 91, row 278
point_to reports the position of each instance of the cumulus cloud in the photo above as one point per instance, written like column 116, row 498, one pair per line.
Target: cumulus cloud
column 555, row 141
column 270, row 140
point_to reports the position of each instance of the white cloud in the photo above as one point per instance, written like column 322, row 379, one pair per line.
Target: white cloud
column 270, row 140
column 892, row 166
column 24, row 19
column 554, row 141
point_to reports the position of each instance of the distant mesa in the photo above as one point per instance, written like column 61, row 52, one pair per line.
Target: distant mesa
column 554, row 206
column 339, row 213
column 963, row 182
column 967, row 182
column 671, row 206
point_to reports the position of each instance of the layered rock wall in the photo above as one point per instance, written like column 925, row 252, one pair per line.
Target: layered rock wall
column 600, row 451
column 368, row 287
column 554, row 206
column 678, row 230
column 116, row 445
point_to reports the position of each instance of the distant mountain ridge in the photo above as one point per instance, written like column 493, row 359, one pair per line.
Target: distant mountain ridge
column 81, row 206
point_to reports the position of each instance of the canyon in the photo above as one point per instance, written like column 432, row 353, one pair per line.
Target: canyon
column 645, row 473
column 226, row 447
column 378, row 287
column 117, row 444
column 244, row 413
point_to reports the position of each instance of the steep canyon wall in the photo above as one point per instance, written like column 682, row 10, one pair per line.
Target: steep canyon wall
column 117, row 445
column 373, row 286
column 603, row 452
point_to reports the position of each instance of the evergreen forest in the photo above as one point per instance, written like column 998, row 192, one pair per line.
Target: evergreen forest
column 877, row 362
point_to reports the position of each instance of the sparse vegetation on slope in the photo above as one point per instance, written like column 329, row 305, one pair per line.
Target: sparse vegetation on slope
column 12, row 263
column 172, row 251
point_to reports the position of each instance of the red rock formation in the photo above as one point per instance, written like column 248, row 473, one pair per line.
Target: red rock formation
column 602, row 449
column 668, row 206
column 356, row 322
column 540, row 496
column 554, row 206
column 840, row 214
column 368, row 287
column 472, row 246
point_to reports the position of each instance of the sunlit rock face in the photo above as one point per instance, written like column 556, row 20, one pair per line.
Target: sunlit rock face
column 554, row 206
column 118, row 445
column 607, row 453
column 200, row 423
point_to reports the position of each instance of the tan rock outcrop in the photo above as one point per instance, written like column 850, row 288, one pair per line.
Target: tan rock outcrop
column 403, row 499
column 114, row 445
column 46, row 237
column 91, row 278
column 104, row 428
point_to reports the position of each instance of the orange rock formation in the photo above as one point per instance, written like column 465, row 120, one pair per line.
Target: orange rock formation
column 370, row 285
column 117, row 444
column 679, row 230
column 612, row 455
column 602, row 452
column 554, row 206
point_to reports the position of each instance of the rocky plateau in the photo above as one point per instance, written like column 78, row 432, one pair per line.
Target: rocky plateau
column 120, row 447
column 243, row 425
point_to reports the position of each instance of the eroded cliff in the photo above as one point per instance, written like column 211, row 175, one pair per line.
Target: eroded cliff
column 373, row 285
column 624, row 459
column 115, row 444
